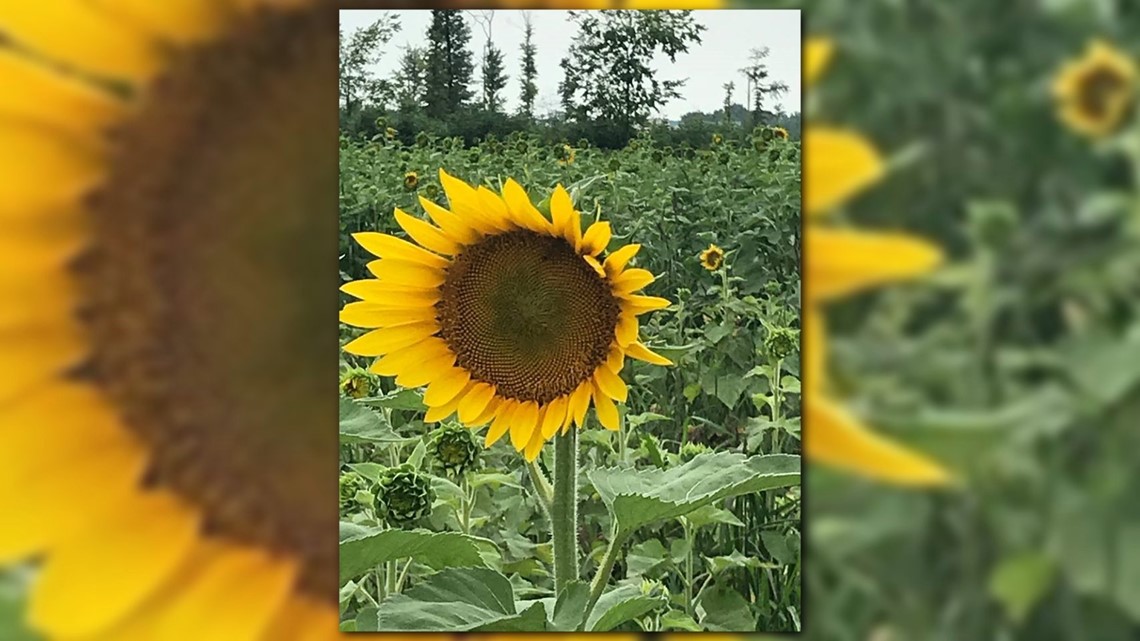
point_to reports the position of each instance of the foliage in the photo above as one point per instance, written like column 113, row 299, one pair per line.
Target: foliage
column 694, row 504
column 448, row 64
column 358, row 53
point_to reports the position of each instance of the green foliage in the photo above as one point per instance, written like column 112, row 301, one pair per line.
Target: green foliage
column 359, row 52
column 449, row 65
column 403, row 495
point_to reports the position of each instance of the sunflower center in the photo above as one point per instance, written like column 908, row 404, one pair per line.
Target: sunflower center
column 1100, row 90
column 525, row 313
column 215, row 343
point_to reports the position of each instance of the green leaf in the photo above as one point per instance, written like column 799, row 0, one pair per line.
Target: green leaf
column 405, row 399
column 416, row 460
column 640, row 497
column 455, row 600
column 710, row 515
column 1019, row 582
column 622, row 604
column 370, row 471
column 570, row 608
column 729, row 388
column 777, row 545
column 492, row 478
column 13, row 607
column 724, row 610
column 363, row 552
column 677, row 620
column 719, row 564
column 358, row 424
column 645, row 557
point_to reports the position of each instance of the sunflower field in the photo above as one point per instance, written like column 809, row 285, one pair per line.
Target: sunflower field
column 682, row 509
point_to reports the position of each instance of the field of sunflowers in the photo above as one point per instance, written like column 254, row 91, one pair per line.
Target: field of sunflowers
column 662, row 493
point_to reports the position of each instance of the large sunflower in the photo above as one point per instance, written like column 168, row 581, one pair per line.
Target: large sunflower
column 839, row 262
column 509, row 317
column 157, row 435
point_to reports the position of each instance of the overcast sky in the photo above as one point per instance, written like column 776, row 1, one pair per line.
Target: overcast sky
column 724, row 50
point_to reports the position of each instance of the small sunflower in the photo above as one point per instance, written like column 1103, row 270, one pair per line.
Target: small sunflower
column 712, row 258
column 780, row 132
column 508, row 317
column 717, row 139
column 356, row 383
column 411, row 181
column 1096, row 92
column 566, row 155
column 838, row 262
column 160, row 491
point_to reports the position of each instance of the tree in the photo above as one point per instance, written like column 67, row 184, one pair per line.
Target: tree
column 358, row 53
column 494, row 78
column 529, row 70
column 449, row 66
column 609, row 77
column 411, row 79
column 759, row 87
column 729, row 87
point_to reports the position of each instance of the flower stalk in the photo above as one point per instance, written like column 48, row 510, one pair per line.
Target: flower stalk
column 564, row 509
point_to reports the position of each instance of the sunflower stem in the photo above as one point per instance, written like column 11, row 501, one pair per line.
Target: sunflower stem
column 602, row 578
column 564, row 509
column 542, row 488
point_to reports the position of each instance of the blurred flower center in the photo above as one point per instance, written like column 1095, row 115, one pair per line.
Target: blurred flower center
column 523, row 312
column 1101, row 90
column 199, row 334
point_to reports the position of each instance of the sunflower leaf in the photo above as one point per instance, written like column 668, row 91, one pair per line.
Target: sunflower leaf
column 622, row 604
column 640, row 497
column 358, row 424
column 455, row 600
column 363, row 551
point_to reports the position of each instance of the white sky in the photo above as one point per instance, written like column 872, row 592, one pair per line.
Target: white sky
column 726, row 42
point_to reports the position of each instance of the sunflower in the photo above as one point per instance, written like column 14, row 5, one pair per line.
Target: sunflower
column 411, row 181
column 566, row 155
column 1095, row 93
column 780, row 132
column 838, row 262
column 159, row 453
column 717, row 139
column 712, row 258
column 508, row 317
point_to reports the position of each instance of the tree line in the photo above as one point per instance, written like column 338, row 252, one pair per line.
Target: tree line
column 608, row 91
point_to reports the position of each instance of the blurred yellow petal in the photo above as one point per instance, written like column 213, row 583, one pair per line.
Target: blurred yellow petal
column 40, row 167
column 834, row 437
column 840, row 262
column 35, row 92
column 177, row 21
column 838, row 164
column 814, row 348
column 817, row 53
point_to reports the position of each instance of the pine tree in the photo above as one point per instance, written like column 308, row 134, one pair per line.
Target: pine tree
column 729, row 87
column 410, row 79
column 494, row 79
column 449, row 65
column 529, row 69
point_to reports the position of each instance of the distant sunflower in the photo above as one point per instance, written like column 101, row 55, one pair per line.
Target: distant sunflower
column 780, row 133
column 712, row 258
column 838, row 262
column 156, row 455
column 507, row 317
column 566, row 155
column 717, row 139
column 1096, row 92
column 411, row 181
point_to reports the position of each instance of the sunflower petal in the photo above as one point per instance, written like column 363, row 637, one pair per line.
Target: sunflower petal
column 842, row 261
column 643, row 353
column 626, row 332
column 618, row 259
column 31, row 355
column 176, row 21
column 398, row 272
column 489, row 412
column 384, row 295
column 817, row 53
column 836, row 438
column 447, row 387
column 425, row 370
column 631, row 280
column 41, row 167
column 615, row 360
column 554, row 417
column 611, row 384
column 99, row 576
column 522, row 210
column 605, row 409
column 385, row 246
column 639, row 305
column 436, row 414
column 596, row 238
column 370, row 315
column 456, row 228
column 397, row 361
column 523, row 424
column 530, row 452
column 38, row 93
column 493, row 209
column 389, row 339
column 474, row 402
column 426, row 234
column 838, row 165
column 501, row 424
column 580, row 402
column 561, row 210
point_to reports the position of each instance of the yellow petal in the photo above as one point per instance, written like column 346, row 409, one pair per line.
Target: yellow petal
column 370, row 315
column 41, row 167
column 615, row 360
column 177, row 21
column 834, row 437
column 303, row 619
column 427, row 235
column 837, row 165
column 75, row 33
column 631, row 280
column 638, row 305
column 814, row 340
column 605, row 409
column 493, row 210
column 617, row 260
column 626, row 331
column 643, row 353
column 534, row 446
column 426, row 370
column 593, row 262
column 474, row 402
column 399, row 360
column 456, row 228
column 101, row 575
column 489, row 412
column 501, row 424
column 235, row 597
column 439, row 413
column 389, row 339
column 398, row 272
column 35, row 92
column 554, row 417
column 580, row 402
column 522, row 210
column 523, row 424
column 839, row 262
column 446, row 387
column 386, row 295
column 817, row 53
column 610, row 384
column 386, row 246
column 562, row 210
column 465, row 202
column 30, row 355
column 596, row 238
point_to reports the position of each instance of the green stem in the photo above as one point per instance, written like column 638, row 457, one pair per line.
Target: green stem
column 777, row 402
column 602, row 578
column 689, row 570
column 542, row 487
column 564, row 509
column 465, row 506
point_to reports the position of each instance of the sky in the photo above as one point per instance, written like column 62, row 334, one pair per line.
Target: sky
column 724, row 50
